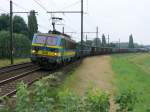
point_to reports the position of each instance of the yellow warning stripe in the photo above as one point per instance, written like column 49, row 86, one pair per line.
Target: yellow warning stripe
column 48, row 53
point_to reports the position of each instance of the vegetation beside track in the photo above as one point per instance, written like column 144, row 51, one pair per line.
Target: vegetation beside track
column 132, row 79
column 6, row 62
column 133, row 72
column 47, row 96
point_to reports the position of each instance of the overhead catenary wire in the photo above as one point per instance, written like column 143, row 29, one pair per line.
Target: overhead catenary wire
column 40, row 5
column 19, row 6
column 72, row 4
column 26, row 10
column 68, row 25
column 3, row 10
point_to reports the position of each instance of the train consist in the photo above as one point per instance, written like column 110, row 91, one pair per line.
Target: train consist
column 55, row 48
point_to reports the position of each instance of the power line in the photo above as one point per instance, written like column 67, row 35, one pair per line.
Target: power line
column 20, row 6
column 73, row 4
column 3, row 10
column 68, row 25
column 40, row 5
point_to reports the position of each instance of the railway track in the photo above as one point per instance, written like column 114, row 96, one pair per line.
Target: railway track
column 14, row 67
column 10, row 76
column 27, row 73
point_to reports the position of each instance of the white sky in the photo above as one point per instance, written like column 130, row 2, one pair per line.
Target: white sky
column 119, row 18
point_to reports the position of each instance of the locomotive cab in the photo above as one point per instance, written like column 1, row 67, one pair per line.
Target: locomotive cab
column 45, row 49
column 52, row 49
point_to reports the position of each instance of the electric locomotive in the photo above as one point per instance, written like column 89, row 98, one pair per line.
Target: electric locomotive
column 52, row 49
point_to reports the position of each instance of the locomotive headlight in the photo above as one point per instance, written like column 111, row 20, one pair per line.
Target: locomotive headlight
column 33, row 51
column 55, row 54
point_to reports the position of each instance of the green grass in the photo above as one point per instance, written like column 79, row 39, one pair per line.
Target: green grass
column 6, row 62
column 67, row 83
column 133, row 71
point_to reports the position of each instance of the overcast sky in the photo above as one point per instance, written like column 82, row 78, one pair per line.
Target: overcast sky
column 118, row 18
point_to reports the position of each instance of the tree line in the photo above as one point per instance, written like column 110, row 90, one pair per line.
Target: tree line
column 23, row 34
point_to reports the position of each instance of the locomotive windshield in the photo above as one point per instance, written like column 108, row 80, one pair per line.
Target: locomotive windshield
column 40, row 40
column 51, row 41
column 46, row 40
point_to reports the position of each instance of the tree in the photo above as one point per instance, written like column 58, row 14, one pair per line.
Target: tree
column 131, row 43
column 22, row 45
column 97, row 42
column 19, row 25
column 32, row 24
column 4, row 22
column 103, row 41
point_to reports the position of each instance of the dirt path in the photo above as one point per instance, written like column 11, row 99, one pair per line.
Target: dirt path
column 96, row 71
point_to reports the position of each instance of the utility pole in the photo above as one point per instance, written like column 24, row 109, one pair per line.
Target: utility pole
column 96, row 35
column 11, row 34
column 97, row 32
column 63, row 30
column 81, row 27
column 119, row 44
column 108, row 40
column 86, row 38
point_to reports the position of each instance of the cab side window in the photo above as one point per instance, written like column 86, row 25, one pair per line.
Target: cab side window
column 63, row 43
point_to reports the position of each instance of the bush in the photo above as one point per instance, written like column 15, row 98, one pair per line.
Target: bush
column 96, row 101
column 69, row 102
column 22, row 45
column 126, row 100
column 23, row 101
column 44, row 97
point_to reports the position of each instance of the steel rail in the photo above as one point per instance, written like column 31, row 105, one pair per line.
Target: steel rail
column 17, row 77
column 13, row 92
column 14, row 67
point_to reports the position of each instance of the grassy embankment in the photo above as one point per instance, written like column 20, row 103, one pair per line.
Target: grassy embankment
column 133, row 70
column 6, row 62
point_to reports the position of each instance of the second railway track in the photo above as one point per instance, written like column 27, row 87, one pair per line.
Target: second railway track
column 11, row 71
column 10, row 76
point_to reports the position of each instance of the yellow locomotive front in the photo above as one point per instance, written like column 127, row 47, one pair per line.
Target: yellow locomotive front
column 52, row 49
column 46, row 49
